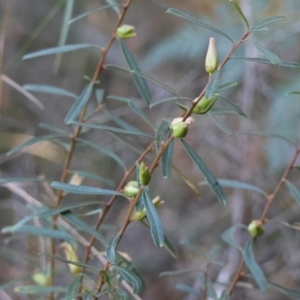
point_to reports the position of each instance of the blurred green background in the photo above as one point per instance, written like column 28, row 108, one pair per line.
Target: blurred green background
column 173, row 50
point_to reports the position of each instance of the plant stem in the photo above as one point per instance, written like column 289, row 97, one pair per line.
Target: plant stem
column 271, row 199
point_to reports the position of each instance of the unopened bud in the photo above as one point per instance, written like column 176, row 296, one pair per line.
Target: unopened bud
column 211, row 61
column 204, row 105
column 131, row 189
column 71, row 256
column 144, row 175
column 141, row 214
column 179, row 129
column 256, row 228
column 40, row 279
column 125, row 32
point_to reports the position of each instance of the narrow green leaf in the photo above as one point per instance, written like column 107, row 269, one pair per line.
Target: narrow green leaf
column 293, row 93
column 63, row 32
column 287, row 64
column 57, row 50
column 168, row 99
column 254, row 268
column 186, row 289
column 268, row 54
column 193, row 248
column 48, row 89
column 95, row 177
column 111, row 249
column 294, row 191
column 226, row 86
column 195, row 20
column 208, row 175
column 156, row 81
column 268, row 21
column 234, row 107
column 103, row 150
column 45, row 213
column 162, row 133
column 79, row 104
column 38, row 231
column 224, row 296
column 14, row 281
column 113, row 129
column 167, row 160
column 85, row 14
column 213, row 85
column 237, row 185
column 115, row 5
column 52, row 129
column 85, row 190
column 9, row 180
column 220, row 124
column 99, row 94
column 222, row 111
column 72, row 296
column 133, row 106
column 228, row 237
column 270, row 135
column 131, row 278
column 140, row 83
column 154, row 220
column 288, row 291
column 80, row 224
column 170, row 248
column 175, row 273
column 38, row 289
column 33, row 141
column 240, row 12
column 213, row 251
column 73, row 286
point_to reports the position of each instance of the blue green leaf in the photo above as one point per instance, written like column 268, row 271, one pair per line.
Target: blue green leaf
column 213, row 85
column 167, row 160
column 268, row 21
column 208, row 175
column 9, row 180
column 111, row 249
column 38, row 289
column 94, row 176
column 228, row 237
column 255, row 269
column 48, row 89
column 131, row 278
column 288, row 64
column 186, row 289
column 286, row 290
column 168, row 99
column 294, row 191
column 226, row 86
column 220, row 124
column 268, row 54
column 240, row 12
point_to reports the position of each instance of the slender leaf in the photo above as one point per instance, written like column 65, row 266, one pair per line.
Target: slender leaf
column 186, row 289
column 234, row 107
column 133, row 106
column 223, row 111
column 208, row 175
column 220, row 124
column 95, row 177
column 99, row 94
column 153, row 218
column 170, row 248
column 84, row 226
column 237, row 185
column 79, row 104
column 268, row 21
column 287, row 64
column 167, row 160
column 288, row 291
column 85, row 14
column 156, row 81
column 240, row 12
column 111, row 249
column 115, row 5
column 45, row 213
column 294, row 191
column 32, row 230
column 195, row 20
column 268, row 54
column 293, row 93
column 140, row 82
column 113, row 129
column 9, row 180
column 213, row 85
column 105, row 151
column 52, row 128
column 84, row 190
column 48, row 89
column 33, row 141
column 228, row 237
column 270, row 135
column 175, row 273
column 38, row 289
column 226, row 86
column 162, row 132
column 73, row 286
column 255, row 269
column 14, row 281
column 168, row 99
column 132, row 278
column 57, row 50
column 193, row 248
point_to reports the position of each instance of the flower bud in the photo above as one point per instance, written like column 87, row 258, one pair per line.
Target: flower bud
column 180, row 129
column 256, row 228
column 131, row 189
column 204, row 105
column 211, row 61
column 125, row 32
column 72, row 256
column 40, row 278
column 144, row 174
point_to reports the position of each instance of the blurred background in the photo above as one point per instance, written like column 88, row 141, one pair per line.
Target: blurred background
column 173, row 51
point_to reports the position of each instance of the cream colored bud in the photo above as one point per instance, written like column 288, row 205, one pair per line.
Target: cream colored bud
column 211, row 61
